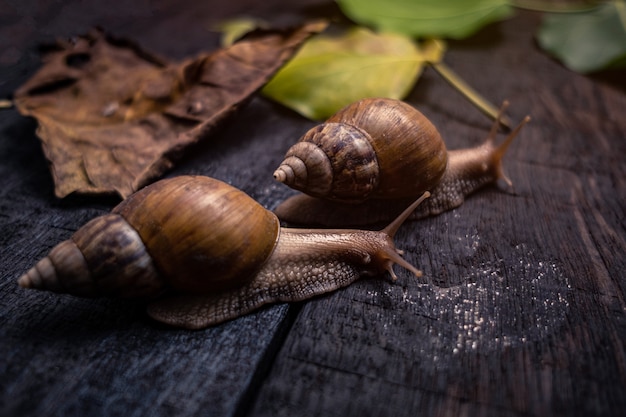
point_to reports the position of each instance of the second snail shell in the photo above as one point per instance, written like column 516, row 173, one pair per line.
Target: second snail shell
column 370, row 149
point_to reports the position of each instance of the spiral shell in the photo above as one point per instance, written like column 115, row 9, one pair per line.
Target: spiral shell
column 374, row 148
column 185, row 233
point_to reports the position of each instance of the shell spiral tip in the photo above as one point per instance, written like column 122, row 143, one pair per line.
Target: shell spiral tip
column 279, row 175
column 38, row 276
column 45, row 275
column 24, row 281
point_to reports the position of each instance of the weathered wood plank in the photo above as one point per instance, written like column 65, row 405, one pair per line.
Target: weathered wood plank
column 527, row 315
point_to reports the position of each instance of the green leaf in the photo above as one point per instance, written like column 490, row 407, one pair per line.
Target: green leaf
column 587, row 42
column 427, row 18
column 233, row 29
column 331, row 72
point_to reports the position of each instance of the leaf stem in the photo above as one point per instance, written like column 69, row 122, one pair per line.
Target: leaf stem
column 5, row 104
column 472, row 95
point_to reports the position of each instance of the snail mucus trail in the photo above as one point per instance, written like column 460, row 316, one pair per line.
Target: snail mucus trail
column 368, row 161
column 202, row 252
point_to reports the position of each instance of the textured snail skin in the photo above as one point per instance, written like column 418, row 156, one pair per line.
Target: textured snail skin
column 202, row 252
column 465, row 171
column 303, row 265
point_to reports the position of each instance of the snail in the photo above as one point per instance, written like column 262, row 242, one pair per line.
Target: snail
column 202, row 252
column 370, row 159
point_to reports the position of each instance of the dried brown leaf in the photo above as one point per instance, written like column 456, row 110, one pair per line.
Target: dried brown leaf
column 113, row 117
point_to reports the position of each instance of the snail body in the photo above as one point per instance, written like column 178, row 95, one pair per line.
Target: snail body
column 373, row 157
column 202, row 252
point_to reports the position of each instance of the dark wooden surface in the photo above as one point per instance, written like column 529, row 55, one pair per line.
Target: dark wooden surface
column 526, row 316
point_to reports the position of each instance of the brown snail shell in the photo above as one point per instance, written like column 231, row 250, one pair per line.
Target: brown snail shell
column 354, row 155
column 403, row 155
column 193, row 225
column 204, row 252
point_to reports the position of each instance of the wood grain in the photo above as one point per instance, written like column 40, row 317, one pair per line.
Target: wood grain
column 526, row 315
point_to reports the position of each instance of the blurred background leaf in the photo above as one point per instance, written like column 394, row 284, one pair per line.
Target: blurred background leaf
column 587, row 41
column 427, row 18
